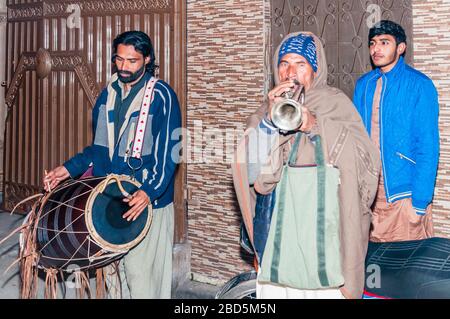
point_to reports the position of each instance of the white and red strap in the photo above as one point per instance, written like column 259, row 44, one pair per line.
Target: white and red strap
column 143, row 116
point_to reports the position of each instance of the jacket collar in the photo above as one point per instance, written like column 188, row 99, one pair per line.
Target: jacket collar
column 398, row 68
column 134, row 106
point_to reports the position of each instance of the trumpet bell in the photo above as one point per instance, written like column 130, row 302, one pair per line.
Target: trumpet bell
column 287, row 115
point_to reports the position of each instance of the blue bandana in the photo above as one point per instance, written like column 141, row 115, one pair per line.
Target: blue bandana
column 303, row 45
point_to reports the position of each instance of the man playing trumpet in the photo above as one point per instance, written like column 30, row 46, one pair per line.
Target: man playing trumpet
column 327, row 113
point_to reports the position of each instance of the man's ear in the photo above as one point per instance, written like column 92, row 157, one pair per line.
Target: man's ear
column 401, row 48
column 147, row 60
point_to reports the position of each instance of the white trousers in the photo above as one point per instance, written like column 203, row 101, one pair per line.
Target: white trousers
column 273, row 291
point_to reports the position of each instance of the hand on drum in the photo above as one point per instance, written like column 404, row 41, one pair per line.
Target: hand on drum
column 138, row 202
column 54, row 177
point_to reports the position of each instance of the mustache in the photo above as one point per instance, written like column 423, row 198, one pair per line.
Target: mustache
column 296, row 82
column 125, row 73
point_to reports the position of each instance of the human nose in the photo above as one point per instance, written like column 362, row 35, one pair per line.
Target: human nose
column 121, row 65
column 291, row 72
column 376, row 48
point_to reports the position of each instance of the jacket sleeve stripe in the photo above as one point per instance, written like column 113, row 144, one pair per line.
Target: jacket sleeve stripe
column 166, row 146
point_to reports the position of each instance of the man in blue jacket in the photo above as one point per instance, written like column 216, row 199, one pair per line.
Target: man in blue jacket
column 399, row 107
column 147, row 268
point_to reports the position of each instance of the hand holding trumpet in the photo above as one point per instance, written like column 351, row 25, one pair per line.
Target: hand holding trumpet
column 286, row 107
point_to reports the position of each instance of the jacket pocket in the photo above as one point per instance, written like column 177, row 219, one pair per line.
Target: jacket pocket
column 404, row 157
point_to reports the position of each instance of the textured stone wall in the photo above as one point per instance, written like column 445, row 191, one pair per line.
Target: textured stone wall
column 2, row 89
column 432, row 56
column 225, row 76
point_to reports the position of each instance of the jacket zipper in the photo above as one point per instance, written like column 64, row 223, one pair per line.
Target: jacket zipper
column 405, row 157
column 381, row 136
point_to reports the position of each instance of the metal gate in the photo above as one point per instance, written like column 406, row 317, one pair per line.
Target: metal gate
column 58, row 59
column 343, row 27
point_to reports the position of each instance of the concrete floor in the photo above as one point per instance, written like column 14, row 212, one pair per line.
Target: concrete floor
column 10, row 281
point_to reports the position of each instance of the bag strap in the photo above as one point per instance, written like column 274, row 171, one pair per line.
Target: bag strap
column 320, row 159
column 321, row 189
column 294, row 149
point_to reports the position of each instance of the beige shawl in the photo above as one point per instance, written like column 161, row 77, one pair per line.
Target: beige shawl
column 346, row 146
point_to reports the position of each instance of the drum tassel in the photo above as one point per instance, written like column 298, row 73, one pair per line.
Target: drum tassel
column 30, row 258
column 112, row 272
column 82, row 284
column 101, row 284
column 29, row 276
column 20, row 228
column 26, row 200
column 51, row 280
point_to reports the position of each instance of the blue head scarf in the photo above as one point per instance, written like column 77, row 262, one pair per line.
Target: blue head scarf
column 303, row 45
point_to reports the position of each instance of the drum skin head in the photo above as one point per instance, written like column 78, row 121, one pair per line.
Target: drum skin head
column 107, row 211
column 104, row 219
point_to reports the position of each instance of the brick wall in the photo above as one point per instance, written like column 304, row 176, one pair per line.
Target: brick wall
column 432, row 56
column 2, row 89
column 225, row 76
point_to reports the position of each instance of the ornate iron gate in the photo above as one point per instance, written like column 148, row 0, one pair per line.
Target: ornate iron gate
column 343, row 27
column 58, row 59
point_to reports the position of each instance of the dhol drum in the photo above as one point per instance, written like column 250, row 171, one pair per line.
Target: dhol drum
column 80, row 225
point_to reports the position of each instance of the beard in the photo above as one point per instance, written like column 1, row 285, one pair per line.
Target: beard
column 128, row 77
column 385, row 61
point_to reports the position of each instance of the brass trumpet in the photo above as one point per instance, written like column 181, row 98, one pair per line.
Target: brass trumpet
column 287, row 113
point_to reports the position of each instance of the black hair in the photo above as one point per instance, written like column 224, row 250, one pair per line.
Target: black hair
column 141, row 43
column 390, row 28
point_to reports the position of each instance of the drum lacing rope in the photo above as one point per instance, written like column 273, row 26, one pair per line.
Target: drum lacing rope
column 72, row 182
column 105, row 183
column 40, row 196
column 59, row 232
column 64, row 204
column 73, row 255
column 102, row 254
column 91, row 258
